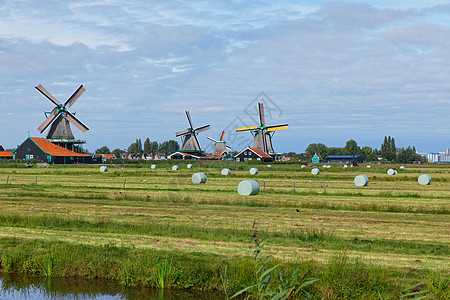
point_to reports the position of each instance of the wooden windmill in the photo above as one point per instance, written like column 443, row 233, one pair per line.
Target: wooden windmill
column 263, row 134
column 59, row 120
column 219, row 146
column 190, row 142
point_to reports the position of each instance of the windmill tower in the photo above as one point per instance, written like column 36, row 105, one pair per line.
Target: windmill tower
column 59, row 120
column 190, row 142
column 220, row 145
column 263, row 134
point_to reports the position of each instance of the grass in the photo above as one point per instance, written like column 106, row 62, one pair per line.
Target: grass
column 162, row 231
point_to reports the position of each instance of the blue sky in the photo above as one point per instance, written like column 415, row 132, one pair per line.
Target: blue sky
column 333, row 70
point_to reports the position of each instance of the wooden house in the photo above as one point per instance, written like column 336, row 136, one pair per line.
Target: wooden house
column 253, row 154
column 41, row 149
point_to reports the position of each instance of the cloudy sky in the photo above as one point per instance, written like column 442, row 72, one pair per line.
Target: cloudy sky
column 334, row 71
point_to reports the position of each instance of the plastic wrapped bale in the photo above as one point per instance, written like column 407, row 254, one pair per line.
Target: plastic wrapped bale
column 424, row 179
column 361, row 180
column 315, row 171
column 189, row 166
column 303, row 166
column 345, row 166
column 225, row 172
column 103, row 168
column 368, row 166
column 248, row 187
column 391, row 172
column 253, row 171
column 175, row 167
column 153, row 167
column 269, row 166
column 198, row 178
column 402, row 167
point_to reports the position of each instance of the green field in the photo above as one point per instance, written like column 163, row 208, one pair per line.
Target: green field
column 361, row 242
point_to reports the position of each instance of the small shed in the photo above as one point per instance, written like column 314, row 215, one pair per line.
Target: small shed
column 316, row 159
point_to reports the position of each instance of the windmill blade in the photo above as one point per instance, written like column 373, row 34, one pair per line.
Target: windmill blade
column 75, row 96
column 228, row 147
column 223, row 134
column 246, row 128
column 264, row 142
column 211, row 139
column 262, row 120
column 72, row 119
column 183, row 132
column 203, row 128
column 188, row 115
column 276, row 127
column 51, row 118
column 44, row 92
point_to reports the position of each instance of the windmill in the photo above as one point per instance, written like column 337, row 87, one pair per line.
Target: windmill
column 219, row 146
column 190, row 142
column 263, row 134
column 60, row 118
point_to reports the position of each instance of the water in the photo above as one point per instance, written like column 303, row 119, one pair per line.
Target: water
column 13, row 286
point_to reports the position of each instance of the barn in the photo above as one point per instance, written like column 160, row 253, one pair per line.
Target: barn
column 41, row 149
column 253, row 154
column 344, row 159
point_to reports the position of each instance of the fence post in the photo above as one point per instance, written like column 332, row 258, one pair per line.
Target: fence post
column 7, row 179
column 264, row 182
column 35, row 181
column 324, row 187
column 125, row 181
column 294, row 185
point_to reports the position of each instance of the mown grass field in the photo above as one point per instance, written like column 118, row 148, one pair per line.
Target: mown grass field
column 361, row 242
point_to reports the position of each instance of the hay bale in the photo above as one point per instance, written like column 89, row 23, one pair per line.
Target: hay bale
column 368, row 166
column 153, row 166
column 402, row 167
column 345, row 166
column 225, row 172
column 269, row 166
column 189, row 166
column 315, row 171
column 361, row 180
column 424, row 179
column 103, row 168
column 248, row 187
column 198, row 178
column 391, row 172
column 174, row 168
column 253, row 171
column 303, row 166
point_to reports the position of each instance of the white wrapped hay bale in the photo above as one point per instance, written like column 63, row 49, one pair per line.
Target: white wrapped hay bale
column 198, row 178
column 424, row 179
column 153, row 166
column 248, row 187
column 315, row 171
column 103, row 168
column 368, row 166
column 402, row 167
column 253, row 171
column 225, row 172
column 174, row 168
column 361, row 180
column 392, row 172
column 189, row 166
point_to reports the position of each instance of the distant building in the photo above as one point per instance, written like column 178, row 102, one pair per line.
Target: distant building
column 344, row 159
column 108, row 156
column 440, row 157
column 5, row 154
column 316, row 159
column 286, row 158
column 41, row 149
column 253, row 154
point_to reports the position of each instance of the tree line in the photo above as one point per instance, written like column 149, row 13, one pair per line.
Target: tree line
column 149, row 147
column 388, row 152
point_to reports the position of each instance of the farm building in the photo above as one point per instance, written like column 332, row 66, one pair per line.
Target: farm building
column 253, row 154
column 5, row 154
column 41, row 149
column 344, row 159
column 316, row 159
column 188, row 155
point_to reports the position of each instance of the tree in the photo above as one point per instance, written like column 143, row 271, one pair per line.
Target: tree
column 154, row 147
column 351, row 147
column 368, row 154
column 147, row 146
column 132, row 148
column 318, row 148
column 388, row 150
column 169, row 147
column 117, row 152
column 102, row 150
